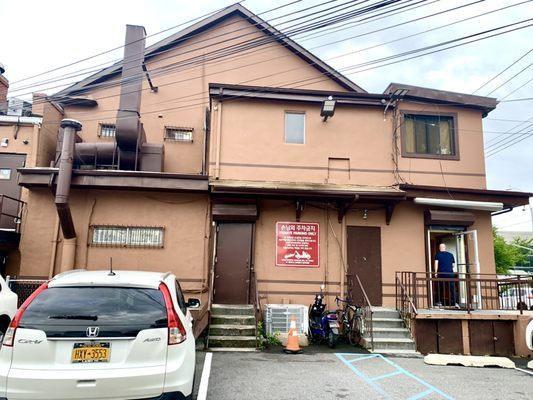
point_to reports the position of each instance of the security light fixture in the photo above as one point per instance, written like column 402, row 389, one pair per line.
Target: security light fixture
column 365, row 214
column 328, row 108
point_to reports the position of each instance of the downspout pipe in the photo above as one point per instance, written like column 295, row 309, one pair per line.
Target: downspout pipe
column 64, row 177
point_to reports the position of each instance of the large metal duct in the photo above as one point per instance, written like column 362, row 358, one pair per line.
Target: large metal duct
column 128, row 127
column 64, row 177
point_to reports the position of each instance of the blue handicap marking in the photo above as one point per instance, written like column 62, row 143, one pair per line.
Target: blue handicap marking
column 351, row 360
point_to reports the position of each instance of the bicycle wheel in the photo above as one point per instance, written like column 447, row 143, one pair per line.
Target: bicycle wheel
column 351, row 331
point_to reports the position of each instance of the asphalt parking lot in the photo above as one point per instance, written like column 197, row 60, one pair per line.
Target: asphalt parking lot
column 348, row 374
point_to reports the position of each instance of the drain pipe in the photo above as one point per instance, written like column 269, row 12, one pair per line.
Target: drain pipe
column 64, row 177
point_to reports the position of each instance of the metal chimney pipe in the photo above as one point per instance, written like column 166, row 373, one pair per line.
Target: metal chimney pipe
column 64, row 177
column 128, row 132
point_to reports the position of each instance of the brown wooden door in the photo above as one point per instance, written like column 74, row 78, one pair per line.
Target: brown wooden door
column 450, row 336
column 9, row 187
column 364, row 260
column 481, row 338
column 426, row 336
column 232, row 263
column 503, row 338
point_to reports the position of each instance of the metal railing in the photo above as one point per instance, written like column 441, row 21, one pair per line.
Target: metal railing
column 465, row 291
column 404, row 304
column 367, row 312
column 23, row 287
column 11, row 210
column 254, row 293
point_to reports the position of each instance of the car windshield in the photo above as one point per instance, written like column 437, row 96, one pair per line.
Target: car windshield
column 106, row 306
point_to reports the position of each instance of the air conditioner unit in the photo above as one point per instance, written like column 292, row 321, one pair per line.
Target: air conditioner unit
column 278, row 318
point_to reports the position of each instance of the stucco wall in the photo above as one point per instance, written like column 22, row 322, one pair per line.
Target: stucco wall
column 182, row 75
column 183, row 217
column 402, row 249
column 252, row 147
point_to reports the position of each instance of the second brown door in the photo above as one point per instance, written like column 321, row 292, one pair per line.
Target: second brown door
column 232, row 263
column 364, row 260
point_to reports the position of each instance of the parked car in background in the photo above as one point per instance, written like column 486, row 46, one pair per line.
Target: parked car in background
column 8, row 306
column 101, row 334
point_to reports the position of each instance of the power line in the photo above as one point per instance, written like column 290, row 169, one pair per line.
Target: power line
column 379, row 16
column 501, row 72
column 247, row 43
column 313, row 80
column 120, row 60
column 510, row 79
column 119, row 47
column 350, row 53
column 524, row 99
column 517, row 89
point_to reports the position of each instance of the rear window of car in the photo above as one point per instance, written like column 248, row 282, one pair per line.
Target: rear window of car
column 102, row 306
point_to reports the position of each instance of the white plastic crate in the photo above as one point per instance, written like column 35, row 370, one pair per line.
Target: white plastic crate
column 278, row 317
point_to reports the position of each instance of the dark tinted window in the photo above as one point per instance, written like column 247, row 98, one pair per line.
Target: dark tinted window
column 115, row 310
column 181, row 299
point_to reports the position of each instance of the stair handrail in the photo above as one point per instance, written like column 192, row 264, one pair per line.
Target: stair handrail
column 404, row 304
column 367, row 312
column 255, row 300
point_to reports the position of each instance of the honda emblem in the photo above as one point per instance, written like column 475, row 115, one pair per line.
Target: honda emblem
column 92, row 331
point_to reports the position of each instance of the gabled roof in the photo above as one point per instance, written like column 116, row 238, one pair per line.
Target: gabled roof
column 205, row 24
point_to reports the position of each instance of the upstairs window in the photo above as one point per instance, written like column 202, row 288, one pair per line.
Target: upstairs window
column 178, row 134
column 126, row 236
column 432, row 136
column 295, row 127
column 107, row 130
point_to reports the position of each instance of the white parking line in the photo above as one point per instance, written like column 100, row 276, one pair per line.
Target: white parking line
column 204, row 381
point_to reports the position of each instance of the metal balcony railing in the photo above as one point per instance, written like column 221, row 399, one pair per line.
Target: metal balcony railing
column 465, row 291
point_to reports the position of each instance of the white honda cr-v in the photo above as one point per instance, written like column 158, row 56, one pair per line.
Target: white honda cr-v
column 101, row 335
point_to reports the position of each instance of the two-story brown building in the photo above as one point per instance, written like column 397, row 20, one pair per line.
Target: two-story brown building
column 230, row 155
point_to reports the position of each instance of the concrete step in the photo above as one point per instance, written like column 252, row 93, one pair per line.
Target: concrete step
column 233, row 341
column 232, row 330
column 232, row 309
column 379, row 312
column 390, row 343
column 397, row 352
column 225, row 319
column 387, row 322
column 393, row 333
column 234, row 349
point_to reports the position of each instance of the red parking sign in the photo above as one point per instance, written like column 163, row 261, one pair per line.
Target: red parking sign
column 297, row 244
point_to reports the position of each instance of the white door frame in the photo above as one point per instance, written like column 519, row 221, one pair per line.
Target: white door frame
column 477, row 267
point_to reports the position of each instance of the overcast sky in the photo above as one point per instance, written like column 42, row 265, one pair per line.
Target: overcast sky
column 41, row 35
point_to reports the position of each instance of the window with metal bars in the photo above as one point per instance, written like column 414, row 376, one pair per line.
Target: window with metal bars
column 178, row 134
column 108, row 130
column 127, row 236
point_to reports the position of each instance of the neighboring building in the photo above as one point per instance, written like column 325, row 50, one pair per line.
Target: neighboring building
column 227, row 169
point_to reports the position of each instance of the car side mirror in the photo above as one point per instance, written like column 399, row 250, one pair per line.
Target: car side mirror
column 193, row 303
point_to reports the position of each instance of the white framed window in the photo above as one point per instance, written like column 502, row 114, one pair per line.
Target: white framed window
column 294, row 127
column 178, row 134
column 107, row 130
column 127, row 236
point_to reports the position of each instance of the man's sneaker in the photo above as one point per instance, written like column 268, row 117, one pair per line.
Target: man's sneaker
column 457, row 306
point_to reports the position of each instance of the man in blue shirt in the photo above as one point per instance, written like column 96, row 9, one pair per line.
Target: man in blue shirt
column 444, row 267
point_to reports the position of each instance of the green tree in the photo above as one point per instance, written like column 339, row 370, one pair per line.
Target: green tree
column 524, row 255
column 505, row 255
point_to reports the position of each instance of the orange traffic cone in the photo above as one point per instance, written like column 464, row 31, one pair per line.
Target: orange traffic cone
column 293, row 346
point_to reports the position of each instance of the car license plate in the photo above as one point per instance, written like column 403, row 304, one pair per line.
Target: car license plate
column 94, row 352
